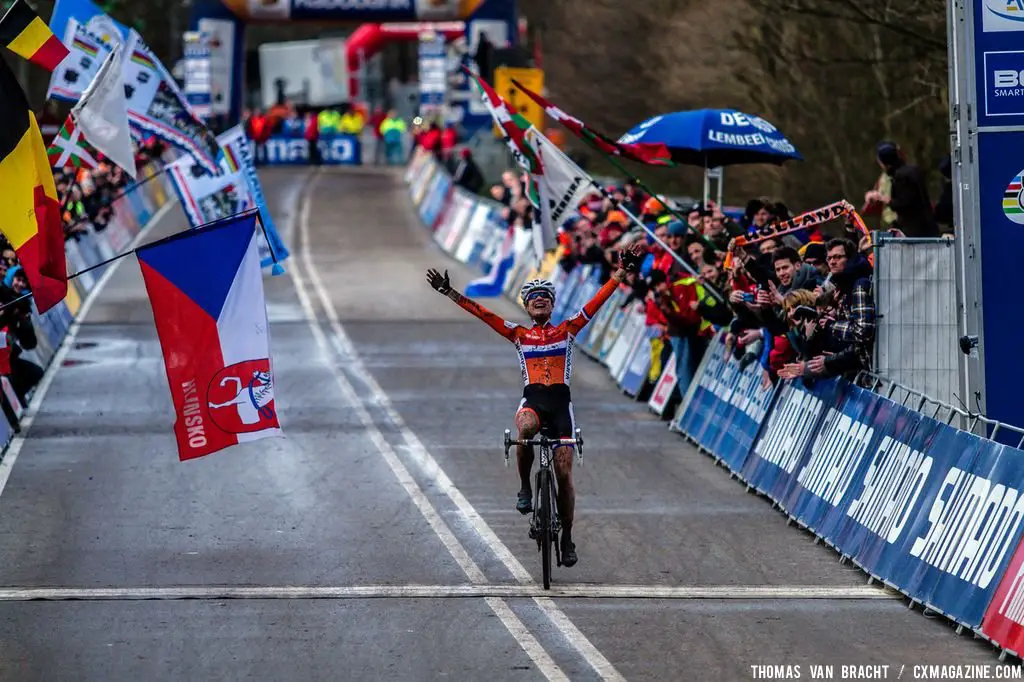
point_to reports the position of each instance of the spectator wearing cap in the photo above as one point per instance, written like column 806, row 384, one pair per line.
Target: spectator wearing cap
column 908, row 196
column 676, row 241
column 814, row 254
column 613, row 229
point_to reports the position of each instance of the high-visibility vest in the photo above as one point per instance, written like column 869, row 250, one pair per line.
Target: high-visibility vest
column 351, row 123
column 701, row 296
column 392, row 125
column 327, row 121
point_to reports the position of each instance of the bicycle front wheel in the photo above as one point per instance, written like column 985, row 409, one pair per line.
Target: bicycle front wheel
column 544, row 521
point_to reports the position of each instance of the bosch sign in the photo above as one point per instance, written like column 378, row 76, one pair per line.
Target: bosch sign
column 1004, row 83
column 336, row 150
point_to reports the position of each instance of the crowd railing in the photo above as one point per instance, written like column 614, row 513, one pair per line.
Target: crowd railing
column 132, row 212
column 883, row 477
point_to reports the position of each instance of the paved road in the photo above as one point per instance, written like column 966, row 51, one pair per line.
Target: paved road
column 379, row 540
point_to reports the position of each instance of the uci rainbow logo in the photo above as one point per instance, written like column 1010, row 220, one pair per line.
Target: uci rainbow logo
column 1013, row 202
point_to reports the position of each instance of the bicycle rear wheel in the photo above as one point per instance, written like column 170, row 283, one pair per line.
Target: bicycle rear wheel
column 544, row 520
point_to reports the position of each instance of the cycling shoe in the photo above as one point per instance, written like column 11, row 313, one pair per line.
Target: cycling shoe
column 569, row 557
column 524, row 502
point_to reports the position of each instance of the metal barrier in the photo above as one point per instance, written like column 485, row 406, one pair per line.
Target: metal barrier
column 920, row 402
column 916, row 302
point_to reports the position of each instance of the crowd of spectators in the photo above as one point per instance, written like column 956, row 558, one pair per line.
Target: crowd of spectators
column 798, row 304
column 87, row 199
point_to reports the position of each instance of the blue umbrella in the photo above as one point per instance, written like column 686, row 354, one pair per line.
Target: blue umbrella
column 715, row 137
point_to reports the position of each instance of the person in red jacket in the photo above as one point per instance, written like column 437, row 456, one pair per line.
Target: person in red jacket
column 431, row 140
column 449, row 138
column 312, row 134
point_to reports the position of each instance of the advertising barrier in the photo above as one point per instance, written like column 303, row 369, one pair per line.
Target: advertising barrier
column 932, row 511
column 285, row 150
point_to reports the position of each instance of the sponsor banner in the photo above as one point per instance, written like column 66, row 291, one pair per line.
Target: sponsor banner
column 335, row 150
column 196, row 63
column 772, row 462
column 358, row 11
column 662, row 393
column 727, row 407
column 206, row 198
column 635, row 374
column 433, row 76
column 1004, row 619
column 461, row 212
column 480, row 229
column 999, row 60
column 419, row 187
column 633, row 328
column 599, row 325
column 86, row 53
column 586, row 291
column 1001, row 209
column 436, row 200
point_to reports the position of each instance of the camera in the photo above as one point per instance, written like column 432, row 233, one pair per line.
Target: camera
column 968, row 343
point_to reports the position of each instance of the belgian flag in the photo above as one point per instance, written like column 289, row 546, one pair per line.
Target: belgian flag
column 30, row 215
column 25, row 34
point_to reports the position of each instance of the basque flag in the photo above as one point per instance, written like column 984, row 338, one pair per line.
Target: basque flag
column 206, row 290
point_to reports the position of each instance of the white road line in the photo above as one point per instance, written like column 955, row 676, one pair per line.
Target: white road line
column 512, row 623
column 601, row 665
column 490, row 592
column 10, row 455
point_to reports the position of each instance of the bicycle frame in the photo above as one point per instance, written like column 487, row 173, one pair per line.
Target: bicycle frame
column 545, row 530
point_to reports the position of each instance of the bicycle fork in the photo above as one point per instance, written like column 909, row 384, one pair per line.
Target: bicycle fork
column 556, row 523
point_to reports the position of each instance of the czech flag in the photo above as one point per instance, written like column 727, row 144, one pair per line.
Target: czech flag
column 206, row 289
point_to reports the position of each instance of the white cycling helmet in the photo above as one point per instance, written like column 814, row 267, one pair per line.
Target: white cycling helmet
column 535, row 285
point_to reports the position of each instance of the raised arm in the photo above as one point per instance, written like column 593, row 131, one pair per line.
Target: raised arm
column 628, row 262
column 441, row 284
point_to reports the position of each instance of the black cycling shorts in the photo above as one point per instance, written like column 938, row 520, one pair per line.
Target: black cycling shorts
column 553, row 406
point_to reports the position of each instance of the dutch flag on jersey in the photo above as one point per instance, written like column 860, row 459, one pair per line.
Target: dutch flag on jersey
column 206, row 290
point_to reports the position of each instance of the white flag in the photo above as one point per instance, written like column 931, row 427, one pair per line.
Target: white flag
column 102, row 114
column 561, row 186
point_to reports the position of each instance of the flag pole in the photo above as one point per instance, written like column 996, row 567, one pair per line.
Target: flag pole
column 611, row 158
column 640, row 183
column 679, row 259
column 156, row 241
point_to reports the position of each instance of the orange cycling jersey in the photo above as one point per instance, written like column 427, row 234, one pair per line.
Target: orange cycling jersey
column 545, row 352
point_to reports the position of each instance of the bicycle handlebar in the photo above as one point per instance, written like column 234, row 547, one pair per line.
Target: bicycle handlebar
column 543, row 441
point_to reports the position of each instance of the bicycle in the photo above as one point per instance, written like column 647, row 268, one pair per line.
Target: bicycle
column 545, row 525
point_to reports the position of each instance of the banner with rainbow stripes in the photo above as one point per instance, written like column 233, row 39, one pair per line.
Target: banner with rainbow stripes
column 73, row 75
column 157, row 106
column 237, row 157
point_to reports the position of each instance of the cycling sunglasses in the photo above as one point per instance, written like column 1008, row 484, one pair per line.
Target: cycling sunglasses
column 539, row 294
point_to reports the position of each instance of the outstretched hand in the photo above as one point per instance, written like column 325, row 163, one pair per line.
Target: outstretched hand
column 439, row 282
column 631, row 259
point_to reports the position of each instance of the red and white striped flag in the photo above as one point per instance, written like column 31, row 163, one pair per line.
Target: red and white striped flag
column 650, row 154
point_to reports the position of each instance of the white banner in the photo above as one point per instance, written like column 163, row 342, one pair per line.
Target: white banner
column 205, row 197
column 73, row 75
